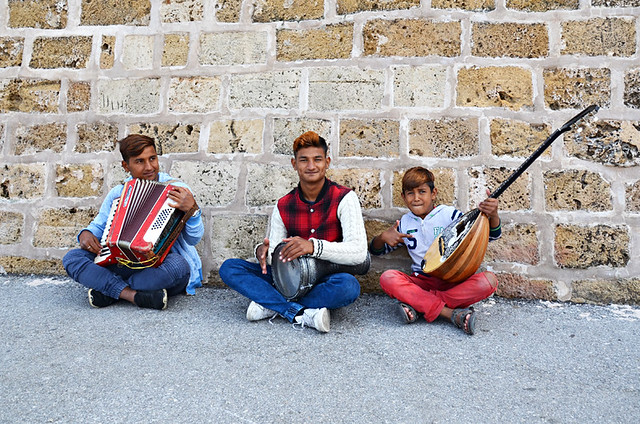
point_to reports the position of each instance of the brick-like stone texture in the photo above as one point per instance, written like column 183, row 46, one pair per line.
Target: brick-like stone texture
column 633, row 197
column 137, row 52
column 59, row 227
column 510, row 40
column 354, row 6
column 135, row 96
column 632, row 88
column 509, row 87
column 615, row 143
column 518, row 138
column 29, row 95
column 22, row 265
column 176, row 49
column 40, row 138
column 170, row 138
column 212, row 183
column 96, row 137
column 377, row 138
column 79, row 180
column 411, row 37
column 576, row 88
column 573, row 190
column 273, row 90
column 11, row 227
column 286, row 130
column 287, row 10
column 181, row 11
column 445, row 182
column 586, row 37
column 11, row 49
column 606, row 291
column 444, row 138
column 476, row 5
column 45, row 14
column 520, row 287
column 542, row 5
column 235, row 236
column 345, row 89
column 248, row 48
column 236, row 136
column 329, row 42
column 115, row 12
column 78, row 96
column 419, row 86
column 615, row 3
column 585, row 247
column 61, row 52
column 194, row 94
column 365, row 182
column 516, row 197
column 107, row 55
column 267, row 183
column 519, row 243
column 22, row 181
column 228, row 10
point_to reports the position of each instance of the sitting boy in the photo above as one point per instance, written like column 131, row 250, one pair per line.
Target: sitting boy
column 417, row 229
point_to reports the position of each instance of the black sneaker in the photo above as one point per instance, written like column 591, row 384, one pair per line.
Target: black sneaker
column 100, row 300
column 156, row 299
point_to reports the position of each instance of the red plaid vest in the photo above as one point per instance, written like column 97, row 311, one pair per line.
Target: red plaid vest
column 317, row 219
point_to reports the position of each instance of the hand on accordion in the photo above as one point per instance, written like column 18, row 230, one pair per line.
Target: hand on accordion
column 89, row 242
column 183, row 198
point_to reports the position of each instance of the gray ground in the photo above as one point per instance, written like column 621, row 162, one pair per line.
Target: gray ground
column 201, row 361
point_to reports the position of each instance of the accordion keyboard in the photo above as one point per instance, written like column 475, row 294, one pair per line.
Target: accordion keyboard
column 104, row 250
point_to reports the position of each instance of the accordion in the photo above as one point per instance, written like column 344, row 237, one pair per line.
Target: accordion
column 141, row 227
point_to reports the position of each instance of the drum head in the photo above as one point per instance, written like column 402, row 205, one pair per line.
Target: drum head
column 286, row 275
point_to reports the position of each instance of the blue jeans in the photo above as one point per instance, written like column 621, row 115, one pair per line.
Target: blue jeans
column 172, row 274
column 332, row 292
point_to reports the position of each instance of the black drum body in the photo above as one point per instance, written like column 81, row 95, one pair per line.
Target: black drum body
column 295, row 278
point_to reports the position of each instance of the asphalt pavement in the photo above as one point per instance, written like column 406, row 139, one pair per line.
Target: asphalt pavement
column 200, row 361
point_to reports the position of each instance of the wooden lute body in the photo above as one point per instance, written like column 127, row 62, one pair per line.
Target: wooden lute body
column 456, row 254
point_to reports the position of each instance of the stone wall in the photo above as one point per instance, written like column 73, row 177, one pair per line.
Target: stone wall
column 466, row 88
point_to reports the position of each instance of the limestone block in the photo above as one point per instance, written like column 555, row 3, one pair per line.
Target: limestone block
column 170, row 138
column 79, row 180
column 45, row 14
column 61, row 52
column 419, row 86
column 632, row 88
column 542, row 5
column 78, row 96
column 345, row 89
column 268, row 90
column 585, row 247
column 115, row 12
column 194, row 94
column 610, row 142
column 617, row 291
column 633, row 197
column 137, row 52
column 287, row 10
column 22, row 181
column 586, row 37
column 519, row 243
column 59, row 227
column 267, row 183
column 510, row 40
column 411, row 37
column 22, row 265
column 444, row 181
column 176, row 49
column 11, row 49
column 228, row 10
column 516, row 197
column 365, row 182
column 286, row 130
column 39, row 138
column 518, row 138
column 521, row 287
column 96, row 137
column 107, row 56
column 373, row 137
column 354, row 6
column 444, row 138
column 615, row 3
column 495, row 86
column 181, row 10
column 576, row 88
column 573, row 190
column 236, row 136
column 329, row 42
column 29, row 95
column 249, row 47
column 212, row 183
column 475, row 5
column 134, row 96
column 11, row 227
column 235, row 236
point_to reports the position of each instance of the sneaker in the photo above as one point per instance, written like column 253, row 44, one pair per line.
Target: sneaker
column 100, row 300
column 156, row 299
column 315, row 318
column 256, row 312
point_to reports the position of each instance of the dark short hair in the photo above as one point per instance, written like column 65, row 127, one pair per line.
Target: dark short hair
column 134, row 144
column 309, row 139
column 415, row 177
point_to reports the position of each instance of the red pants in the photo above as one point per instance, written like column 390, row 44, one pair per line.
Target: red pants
column 429, row 295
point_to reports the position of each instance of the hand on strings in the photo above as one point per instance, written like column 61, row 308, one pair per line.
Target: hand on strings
column 489, row 207
column 261, row 255
column 89, row 242
column 294, row 248
column 392, row 236
column 182, row 198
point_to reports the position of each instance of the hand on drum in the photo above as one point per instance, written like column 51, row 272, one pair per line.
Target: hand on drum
column 182, row 197
column 295, row 247
column 89, row 242
column 261, row 255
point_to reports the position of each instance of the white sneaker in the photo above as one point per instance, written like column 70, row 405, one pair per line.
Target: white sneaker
column 256, row 312
column 315, row 318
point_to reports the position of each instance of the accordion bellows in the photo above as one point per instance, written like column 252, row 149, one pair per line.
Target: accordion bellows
column 141, row 227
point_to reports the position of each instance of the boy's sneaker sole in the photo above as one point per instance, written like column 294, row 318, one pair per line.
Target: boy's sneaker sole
column 100, row 300
column 156, row 299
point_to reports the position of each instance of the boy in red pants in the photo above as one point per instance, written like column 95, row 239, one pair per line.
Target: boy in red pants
column 417, row 229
